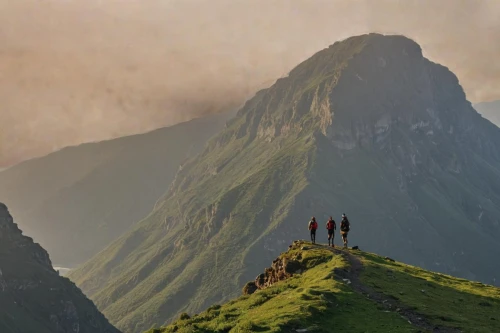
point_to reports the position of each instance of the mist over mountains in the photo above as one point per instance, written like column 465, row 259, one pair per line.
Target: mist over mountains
column 76, row 201
column 80, row 71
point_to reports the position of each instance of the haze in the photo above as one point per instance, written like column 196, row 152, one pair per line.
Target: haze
column 78, row 71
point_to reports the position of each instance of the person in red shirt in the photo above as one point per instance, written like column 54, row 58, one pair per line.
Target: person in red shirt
column 331, row 226
column 313, row 226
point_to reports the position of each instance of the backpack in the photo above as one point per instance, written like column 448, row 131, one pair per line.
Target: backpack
column 314, row 225
column 344, row 226
column 330, row 225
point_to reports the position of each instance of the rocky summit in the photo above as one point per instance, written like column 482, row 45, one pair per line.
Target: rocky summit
column 368, row 127
column 33, row 297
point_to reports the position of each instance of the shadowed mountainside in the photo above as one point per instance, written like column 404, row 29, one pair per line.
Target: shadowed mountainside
column 33, row 297
column 78, row 200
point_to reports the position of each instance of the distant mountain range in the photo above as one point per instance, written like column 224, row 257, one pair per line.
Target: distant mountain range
column 33, row 297
column 78, row 200
column 489, row 110
column 366, row 127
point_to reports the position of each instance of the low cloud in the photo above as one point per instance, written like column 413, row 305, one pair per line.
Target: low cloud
column 76, row 71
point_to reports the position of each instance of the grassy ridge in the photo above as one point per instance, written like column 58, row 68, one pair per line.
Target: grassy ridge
column 319, row 300
column 312, row 300
column 444, row 300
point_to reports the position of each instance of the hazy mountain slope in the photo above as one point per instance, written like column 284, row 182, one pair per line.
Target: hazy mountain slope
column 318, row 289
column 33, row 297
column 78, row 200
column 490, row 111
column 368, row 127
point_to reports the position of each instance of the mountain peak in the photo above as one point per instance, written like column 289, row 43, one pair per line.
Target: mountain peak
column 342, row 52
column 372, row 43
column 389, row 43
column 356, row 91
column 3, row 209
column 369, row 127
column 14, row 242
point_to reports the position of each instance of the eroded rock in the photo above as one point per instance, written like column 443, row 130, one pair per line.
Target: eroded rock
column 281, row 269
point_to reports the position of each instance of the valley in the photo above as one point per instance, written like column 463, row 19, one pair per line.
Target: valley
column 78, row 200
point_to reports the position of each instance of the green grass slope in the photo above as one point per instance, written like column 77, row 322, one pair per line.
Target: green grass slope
column 195, row 247
column 187, row 263
column 353, row 291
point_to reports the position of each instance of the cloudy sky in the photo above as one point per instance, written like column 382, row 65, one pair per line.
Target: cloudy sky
column 73, row 71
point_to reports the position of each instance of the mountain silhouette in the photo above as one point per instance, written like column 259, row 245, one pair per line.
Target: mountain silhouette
column 34, row 298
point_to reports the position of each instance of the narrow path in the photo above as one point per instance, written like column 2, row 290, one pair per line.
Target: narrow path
column 388, row 302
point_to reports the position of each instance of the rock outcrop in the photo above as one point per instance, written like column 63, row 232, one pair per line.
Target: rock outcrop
column 282, row 268
column 33, row 297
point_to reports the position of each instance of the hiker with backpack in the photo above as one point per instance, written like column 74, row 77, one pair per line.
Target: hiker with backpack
column 331, row 226
column 344, row 229
column 313, row 225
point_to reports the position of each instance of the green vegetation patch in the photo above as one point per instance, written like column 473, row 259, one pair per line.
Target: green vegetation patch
column 442, row 299
column 313, row 300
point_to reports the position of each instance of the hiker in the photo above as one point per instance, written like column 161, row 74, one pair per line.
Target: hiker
column 344, row 229
column 313, row 225
column 331, row 226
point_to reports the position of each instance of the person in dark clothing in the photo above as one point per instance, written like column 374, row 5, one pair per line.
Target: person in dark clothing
column 345, row 226
column 313, row 226
column 331, row 226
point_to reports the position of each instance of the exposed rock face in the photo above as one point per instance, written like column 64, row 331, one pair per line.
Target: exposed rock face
column 281, row 269
column 33, row 297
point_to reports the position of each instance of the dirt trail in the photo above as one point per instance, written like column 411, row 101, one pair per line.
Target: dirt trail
column 388, row 302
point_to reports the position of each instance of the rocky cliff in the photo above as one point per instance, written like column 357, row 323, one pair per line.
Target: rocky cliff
column 33, row 297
